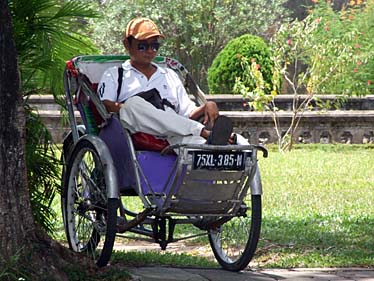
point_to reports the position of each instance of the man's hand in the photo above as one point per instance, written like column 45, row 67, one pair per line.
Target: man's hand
column 112, row 106
column 210, row 113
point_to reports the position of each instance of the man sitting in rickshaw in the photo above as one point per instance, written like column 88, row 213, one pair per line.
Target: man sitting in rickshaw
column 152, row 99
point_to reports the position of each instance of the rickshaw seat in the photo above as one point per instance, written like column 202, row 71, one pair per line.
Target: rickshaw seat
column 141, row 141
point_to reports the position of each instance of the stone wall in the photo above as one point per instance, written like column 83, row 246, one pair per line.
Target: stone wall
column 346, row 121
column 354, row 124
column 284, row 102
column 315, row 127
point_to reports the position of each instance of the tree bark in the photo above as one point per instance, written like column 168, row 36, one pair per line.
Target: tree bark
column 16, row 222
column 38, row 256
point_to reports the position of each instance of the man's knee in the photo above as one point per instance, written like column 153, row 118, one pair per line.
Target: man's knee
column 132, row 104
column 134, row 101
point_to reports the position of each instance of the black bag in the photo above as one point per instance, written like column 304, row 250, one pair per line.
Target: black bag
column 152, row 96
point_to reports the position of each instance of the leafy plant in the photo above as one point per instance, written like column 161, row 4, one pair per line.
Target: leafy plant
column 226, row 67
column 321, row 54
column 252, row 84
column 43, row 171
column 359, row 17
column 46, row 33
column 344, row 41
column 11, row 271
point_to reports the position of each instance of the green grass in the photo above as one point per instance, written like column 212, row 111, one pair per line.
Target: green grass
column 318, row 207
column 318, row 211
column 135, row 258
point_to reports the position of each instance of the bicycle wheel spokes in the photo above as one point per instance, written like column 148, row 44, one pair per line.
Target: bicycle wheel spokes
column 84, row 213
column 234, row 242
column 231, row 238
column 87, row 205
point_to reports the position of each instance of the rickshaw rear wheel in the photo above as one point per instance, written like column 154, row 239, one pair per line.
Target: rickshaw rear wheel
column 234, row 243
column 90, row 216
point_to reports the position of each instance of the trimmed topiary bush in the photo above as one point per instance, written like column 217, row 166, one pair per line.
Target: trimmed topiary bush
column 226, row 66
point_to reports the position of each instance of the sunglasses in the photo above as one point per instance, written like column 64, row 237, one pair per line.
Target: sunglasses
column 143, row 46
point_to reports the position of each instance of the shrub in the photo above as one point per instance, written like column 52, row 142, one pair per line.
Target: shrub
column 328, row 52
column 227, row 65
column 339, row 51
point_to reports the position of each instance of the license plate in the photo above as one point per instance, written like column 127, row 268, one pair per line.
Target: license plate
column 219, row 160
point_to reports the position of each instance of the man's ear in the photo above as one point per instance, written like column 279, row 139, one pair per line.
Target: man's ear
column 126, row 43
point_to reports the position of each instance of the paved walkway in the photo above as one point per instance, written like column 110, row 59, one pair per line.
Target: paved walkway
column 199, row 274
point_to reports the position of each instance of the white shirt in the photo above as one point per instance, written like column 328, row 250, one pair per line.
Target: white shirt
column 165, row 80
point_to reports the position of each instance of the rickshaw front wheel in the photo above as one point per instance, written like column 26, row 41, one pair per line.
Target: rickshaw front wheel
column 234, row 243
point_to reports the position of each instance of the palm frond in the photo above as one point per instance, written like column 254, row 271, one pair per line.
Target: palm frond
column 42, row 169
column 46, row 33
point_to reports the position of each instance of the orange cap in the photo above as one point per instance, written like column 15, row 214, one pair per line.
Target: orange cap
column 142, row 29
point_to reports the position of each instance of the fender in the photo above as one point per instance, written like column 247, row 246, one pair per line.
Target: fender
column 68, row 143
column 108, row 165
column 255, row 183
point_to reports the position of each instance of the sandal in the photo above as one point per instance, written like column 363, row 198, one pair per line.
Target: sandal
column 221, row 132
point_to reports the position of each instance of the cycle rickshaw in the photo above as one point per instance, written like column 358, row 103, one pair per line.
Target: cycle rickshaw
column 216, row 189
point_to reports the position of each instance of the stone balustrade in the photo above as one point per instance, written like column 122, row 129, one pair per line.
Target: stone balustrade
column 354, row 124
column 284, row 102
column 339, row 126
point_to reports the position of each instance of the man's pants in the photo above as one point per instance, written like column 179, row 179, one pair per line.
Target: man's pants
column 138, row 115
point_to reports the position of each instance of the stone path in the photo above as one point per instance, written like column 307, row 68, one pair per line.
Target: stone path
column 198, row 274
column 167, row 273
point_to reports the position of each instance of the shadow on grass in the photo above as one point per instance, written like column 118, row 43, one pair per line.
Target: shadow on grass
column 316, row 241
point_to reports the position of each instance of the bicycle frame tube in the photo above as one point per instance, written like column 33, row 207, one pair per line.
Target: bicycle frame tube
column 69, row 104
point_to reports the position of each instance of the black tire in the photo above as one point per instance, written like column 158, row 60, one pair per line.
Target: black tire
column 90, row 216
column 234, row 243
column 67, row 149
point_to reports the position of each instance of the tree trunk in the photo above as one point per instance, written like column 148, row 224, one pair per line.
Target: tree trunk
column 38, row 256
column 16, row 222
